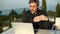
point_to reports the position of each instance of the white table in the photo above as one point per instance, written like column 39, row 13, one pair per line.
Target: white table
column 11, row 31
column 41, row 31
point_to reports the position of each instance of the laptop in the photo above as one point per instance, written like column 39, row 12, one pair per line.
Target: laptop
column 22, row 28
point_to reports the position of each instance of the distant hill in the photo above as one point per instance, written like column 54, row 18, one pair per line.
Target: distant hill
column 19, row 11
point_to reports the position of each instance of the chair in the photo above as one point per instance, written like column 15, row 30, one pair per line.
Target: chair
column 57, row 23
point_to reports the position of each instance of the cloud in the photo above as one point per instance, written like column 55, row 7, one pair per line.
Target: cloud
column 8, row 4
column 52, row 2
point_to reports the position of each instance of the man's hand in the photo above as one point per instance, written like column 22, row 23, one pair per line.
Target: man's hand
column 39, row 18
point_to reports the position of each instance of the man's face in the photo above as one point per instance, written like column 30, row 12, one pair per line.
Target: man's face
column 33, row 7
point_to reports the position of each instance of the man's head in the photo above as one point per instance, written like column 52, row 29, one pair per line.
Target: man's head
column 34, row 5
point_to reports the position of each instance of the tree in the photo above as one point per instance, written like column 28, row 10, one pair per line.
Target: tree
column 50, row 13
column 12, row 14
column 57, row 13
column 23, row 13
column 59, row 10
column 1, row 28
column 0, row 13
column 44, row 5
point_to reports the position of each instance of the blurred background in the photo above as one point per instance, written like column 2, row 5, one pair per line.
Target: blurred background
column 12, row 11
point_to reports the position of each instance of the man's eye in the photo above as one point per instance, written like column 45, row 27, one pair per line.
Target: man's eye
column 30, row 6
column 33, row 6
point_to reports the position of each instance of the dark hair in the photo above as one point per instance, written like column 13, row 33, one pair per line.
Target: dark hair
column 36, row 1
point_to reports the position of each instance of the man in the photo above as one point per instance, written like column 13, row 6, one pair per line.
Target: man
column 38, row 17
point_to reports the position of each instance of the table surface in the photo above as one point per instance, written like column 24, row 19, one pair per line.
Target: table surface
column 48, row 31
column 11, row 31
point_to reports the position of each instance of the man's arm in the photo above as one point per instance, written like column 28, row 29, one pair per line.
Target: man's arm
column 42, row 16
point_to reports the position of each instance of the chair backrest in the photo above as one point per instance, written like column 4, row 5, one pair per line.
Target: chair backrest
column 57, row 22
column 22, row 28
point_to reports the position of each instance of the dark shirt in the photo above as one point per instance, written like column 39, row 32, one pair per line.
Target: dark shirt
column 28, row 16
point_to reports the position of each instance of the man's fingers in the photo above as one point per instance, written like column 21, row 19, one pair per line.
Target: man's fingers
column 43, row 17
column 39, row 18
column 36, row 19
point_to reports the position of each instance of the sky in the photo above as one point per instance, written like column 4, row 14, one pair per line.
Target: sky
column 12, row 4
